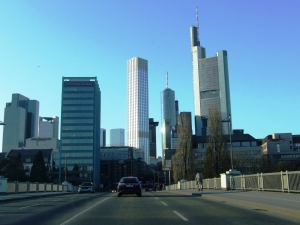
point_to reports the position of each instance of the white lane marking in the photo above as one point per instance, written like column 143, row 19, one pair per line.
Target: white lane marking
column 163, row 203
column 181, row 216
column 266, row 197
column 29, row 206
column 74, row 217
column 156, row 197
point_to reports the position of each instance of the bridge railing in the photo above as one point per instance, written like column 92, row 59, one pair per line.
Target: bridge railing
column 28, row 187
column 288, row 181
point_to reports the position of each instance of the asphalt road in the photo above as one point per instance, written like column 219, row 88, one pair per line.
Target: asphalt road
column 152, row 208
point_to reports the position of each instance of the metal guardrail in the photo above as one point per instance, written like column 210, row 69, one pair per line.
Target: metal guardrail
column 288, row 181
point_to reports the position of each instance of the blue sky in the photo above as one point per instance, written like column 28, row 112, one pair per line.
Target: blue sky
column 42, row 41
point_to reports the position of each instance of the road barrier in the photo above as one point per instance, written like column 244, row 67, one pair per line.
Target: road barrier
column 288, row 181
column 28, row 187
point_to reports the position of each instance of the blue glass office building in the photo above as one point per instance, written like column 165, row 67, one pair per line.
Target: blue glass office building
column 80, row 130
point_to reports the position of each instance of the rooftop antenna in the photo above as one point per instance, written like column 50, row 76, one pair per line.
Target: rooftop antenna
column 197, row 23
column 167, row 79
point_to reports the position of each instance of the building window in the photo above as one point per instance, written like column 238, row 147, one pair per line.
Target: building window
column 278, row 147
column 253, row 143
column 236, row 144
column 245, row 144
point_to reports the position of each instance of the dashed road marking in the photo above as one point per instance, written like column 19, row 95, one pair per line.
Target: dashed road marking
column 29, row 206
column 163, row 203
column 181, row 216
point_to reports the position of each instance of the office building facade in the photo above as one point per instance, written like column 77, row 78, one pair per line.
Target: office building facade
column 152, row 137
column 80, row 130
column 138, row 106
column 48, row 127
column 102, row 137
column 21, row 117
column 168, row 116
column 210, row 85
column 117, row 137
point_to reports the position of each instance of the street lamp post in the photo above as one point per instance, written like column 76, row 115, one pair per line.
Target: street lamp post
column 66, row 167
column 91, row 168
column 230, row 126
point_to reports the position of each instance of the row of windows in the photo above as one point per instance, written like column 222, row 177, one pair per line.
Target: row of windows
column 78, row 121
column 81, row 107
column 210, row 94
column 290, row 156
column 77, row 134
column 77, row 102
column 78, row 95
column 77, row 127
column 78, row 115
column 77, row 148
column 234, row 144
column 78, row 88
column 76, row 141
column 80, row 161
column 29, row 160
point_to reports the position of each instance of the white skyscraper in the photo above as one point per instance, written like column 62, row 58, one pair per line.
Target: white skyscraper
column 138, row 108
column 117, row 137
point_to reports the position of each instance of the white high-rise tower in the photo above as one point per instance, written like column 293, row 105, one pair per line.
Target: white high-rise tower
column 138, row 108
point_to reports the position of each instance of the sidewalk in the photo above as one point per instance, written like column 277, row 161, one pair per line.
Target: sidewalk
column 276, row 202
column 11, row 197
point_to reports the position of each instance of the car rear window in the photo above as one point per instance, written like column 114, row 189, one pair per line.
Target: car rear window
column 129, row 180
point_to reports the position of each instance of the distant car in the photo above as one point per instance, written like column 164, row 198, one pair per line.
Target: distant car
column 86, row 187
column 183, row 181
column 129, row 185
column 148, row 187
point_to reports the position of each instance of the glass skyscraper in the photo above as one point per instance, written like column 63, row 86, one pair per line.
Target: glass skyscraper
column 21, row 117
column 80, row 130
column 210, row 83
column 137, row 110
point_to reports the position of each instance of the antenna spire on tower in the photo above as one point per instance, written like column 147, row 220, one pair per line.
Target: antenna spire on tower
column 197, row 23
column 167, row 79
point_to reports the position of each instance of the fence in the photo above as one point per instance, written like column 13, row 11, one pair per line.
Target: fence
column 280, row 181
column 27, row 187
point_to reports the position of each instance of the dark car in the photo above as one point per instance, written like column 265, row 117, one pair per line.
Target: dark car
column 129, row 185
column 86, row 187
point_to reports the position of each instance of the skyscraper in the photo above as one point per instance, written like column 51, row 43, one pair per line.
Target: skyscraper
column 102, row 137
column 152, row 137
column 48, row 127
column 211, row 84
column 137, row 111
column 21, row 117
column 80, row 130
column 168, row 115
column 117, row 137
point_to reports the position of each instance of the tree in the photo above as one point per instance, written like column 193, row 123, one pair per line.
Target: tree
column 176, row 168
column 13, row 169
column 38, row 170
column 184, row 151
column 217, row 159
